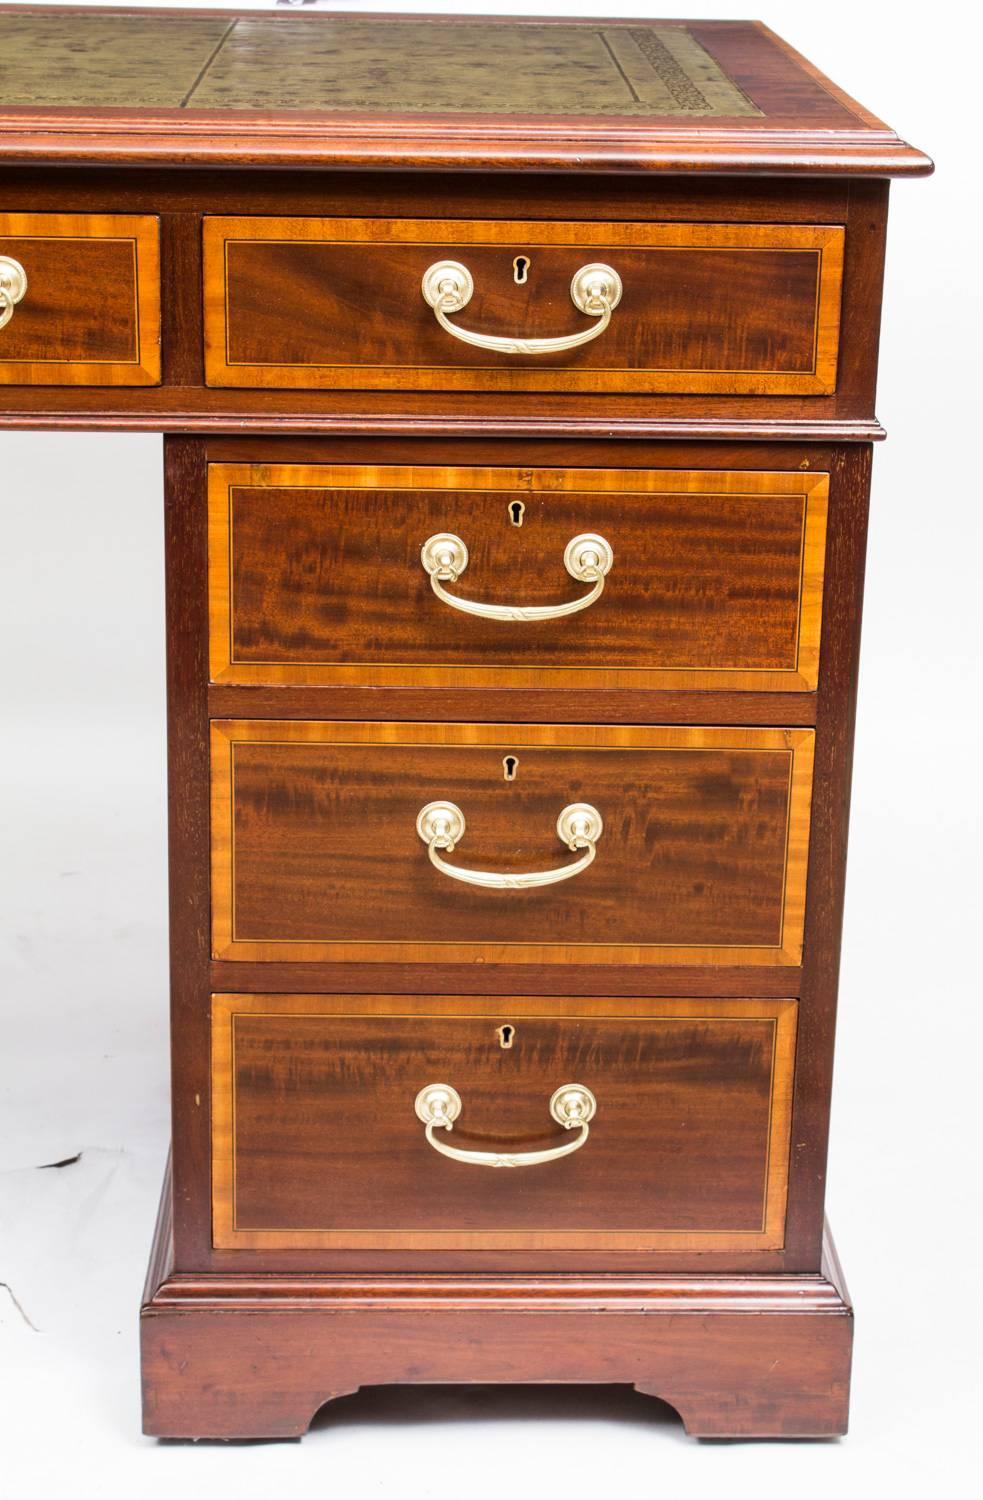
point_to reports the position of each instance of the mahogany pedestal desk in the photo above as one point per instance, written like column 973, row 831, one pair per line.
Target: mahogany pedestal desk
column 517, row 380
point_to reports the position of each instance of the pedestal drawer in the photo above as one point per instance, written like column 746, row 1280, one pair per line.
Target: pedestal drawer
column 79, row 299
column 558, row 577
column 490, row 843
column 496, row 305
column 319, row 1138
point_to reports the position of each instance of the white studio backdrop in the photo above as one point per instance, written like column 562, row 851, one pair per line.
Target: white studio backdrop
column 83, row 1065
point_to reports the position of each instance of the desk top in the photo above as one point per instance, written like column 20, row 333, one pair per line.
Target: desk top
column 306, row 88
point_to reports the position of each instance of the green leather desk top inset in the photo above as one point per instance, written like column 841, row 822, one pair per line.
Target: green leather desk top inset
column 181, row 60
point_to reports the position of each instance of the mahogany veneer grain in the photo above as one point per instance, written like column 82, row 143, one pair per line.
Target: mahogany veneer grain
column 91, row 313
column 315, row 577
column 315, row 1143
column 710, row 308
column 722, row 131
column 316, row 854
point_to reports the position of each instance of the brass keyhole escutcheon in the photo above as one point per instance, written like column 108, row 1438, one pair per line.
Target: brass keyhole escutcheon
column 520, row 269
column 517, row 511
column 506, row 1036
column 510, row 765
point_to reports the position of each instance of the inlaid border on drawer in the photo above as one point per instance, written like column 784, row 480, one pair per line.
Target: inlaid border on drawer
column 142, row 233
column 800, row 676
column 228, row 943
column 226, row 1234
column 441, row 237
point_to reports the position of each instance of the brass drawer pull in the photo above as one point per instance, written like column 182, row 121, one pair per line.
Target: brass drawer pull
column 587, row 558
column 441, row 826
column 13, row 285
column 573, row 1106
column 595, row 290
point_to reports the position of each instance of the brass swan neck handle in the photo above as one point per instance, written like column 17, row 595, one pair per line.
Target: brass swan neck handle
column 595, row 290
column 587, row 558
column 441, row 827
column 573, row 1106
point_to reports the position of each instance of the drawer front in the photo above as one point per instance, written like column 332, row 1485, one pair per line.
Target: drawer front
column 727, row 309
column 316, row 576
column 317, row 1144
column 84, row 306
column 317, row 852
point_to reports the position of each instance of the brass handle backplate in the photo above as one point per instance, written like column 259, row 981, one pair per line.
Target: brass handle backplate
column 441, row 827
column 587, row 558
column 13, row 285
column 595, row 290
column 573, row 1106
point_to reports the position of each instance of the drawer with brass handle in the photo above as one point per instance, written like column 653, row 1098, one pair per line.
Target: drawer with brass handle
column 612, row 1124
column 497, row 305
column 413, row 575
column 492, row 843
column 79, row 299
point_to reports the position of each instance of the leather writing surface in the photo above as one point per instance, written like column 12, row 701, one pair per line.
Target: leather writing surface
column 353, row 63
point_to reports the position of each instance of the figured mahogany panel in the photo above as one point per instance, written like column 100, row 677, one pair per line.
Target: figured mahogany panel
column 312, row 303
column 91, row 311
column 316, row 855
column 316, row 1143
column 315, row 576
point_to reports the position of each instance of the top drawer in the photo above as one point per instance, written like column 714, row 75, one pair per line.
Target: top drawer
column 724, row 309
column 79, row 299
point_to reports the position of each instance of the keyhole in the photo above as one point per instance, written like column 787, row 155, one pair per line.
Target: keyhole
column 520, row 269
column 517, row 510
column 506, row 1035
column 511, row 764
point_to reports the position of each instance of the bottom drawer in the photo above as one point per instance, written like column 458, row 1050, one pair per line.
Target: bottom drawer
column 318, row 1143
